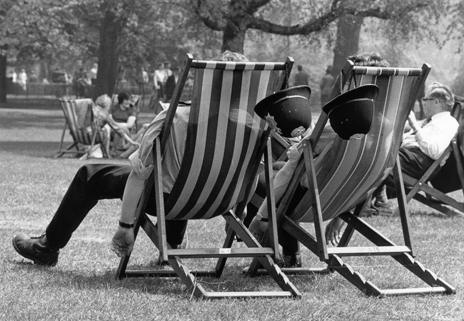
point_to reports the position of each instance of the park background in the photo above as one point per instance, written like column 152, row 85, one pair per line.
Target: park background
column 122, row 37
column 128, row 34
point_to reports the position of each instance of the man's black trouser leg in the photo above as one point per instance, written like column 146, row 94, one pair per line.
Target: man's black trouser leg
column 413, row 163
column 94, row 182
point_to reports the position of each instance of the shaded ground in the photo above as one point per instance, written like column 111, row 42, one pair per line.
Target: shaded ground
column 82, row 285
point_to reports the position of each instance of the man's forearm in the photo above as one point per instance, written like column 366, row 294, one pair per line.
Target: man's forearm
column 132, row 193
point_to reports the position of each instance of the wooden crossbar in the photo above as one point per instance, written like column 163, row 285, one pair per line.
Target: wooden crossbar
column 409, row 291
column 247, row 294
column 145, row 273
column 220, row 252
column 368, row 250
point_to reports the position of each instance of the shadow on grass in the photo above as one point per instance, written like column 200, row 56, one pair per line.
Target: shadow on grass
column 230, row 281
column 450, row 213
column 44, row 149
column 99, row 280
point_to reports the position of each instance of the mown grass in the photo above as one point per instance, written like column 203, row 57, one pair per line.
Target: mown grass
column 82, row 286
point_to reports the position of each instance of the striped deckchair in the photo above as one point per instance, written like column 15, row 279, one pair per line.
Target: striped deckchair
column 224, row 145
column 346, row 173
column 79, row 119
column 445, row 175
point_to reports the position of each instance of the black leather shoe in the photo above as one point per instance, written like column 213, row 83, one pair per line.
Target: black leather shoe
column 36, row 249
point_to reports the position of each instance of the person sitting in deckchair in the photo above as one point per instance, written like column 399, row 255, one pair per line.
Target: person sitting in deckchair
column 105, row 122
column 142, row 166
column 91, row 183
column 425, row 142
column 291, row 255
column 123, row 115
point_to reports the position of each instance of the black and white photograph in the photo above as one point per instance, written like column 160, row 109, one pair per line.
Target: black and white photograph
column 231, row 160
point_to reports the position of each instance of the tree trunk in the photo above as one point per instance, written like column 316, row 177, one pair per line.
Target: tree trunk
column 233, row 37
column 108, row 53
column 347, row 42
column 2, row 78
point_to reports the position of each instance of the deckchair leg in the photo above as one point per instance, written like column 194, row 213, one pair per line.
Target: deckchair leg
column 184, row 273
column 312, row 180
column 459, row 163
column 405, row 259
column 335, row 262
column 67, row 150
column 59, row 154
column 221, row 263
column 404, row 213
column 266, row 261
column 456, row 207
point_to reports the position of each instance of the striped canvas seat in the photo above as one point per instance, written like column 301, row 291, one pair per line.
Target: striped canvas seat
column 224, row 138
column 225, row 143
column 79, row 119
column 343, row 176
column 78, row 116
column 352, row 169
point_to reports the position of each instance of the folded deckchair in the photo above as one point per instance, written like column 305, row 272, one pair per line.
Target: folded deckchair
column 445, row 175
column 224, row 145
column 346, row 173
column 79, row 119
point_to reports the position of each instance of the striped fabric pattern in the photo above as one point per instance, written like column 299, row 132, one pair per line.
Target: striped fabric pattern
column 78, row 117
column 224, row 137
column 353, row 168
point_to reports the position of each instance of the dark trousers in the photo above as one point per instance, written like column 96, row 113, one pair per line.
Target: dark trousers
column 413, row 162
column 94, row 182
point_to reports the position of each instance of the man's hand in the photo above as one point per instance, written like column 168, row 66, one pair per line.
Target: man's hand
column 293, row 153
column 123, row 241
column 333, row 231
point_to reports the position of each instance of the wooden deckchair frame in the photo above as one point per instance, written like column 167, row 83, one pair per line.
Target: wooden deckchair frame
column 382, row 245
column 173, row 256
column 422, row 184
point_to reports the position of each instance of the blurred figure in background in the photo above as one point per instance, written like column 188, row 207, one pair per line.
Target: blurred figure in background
column 159, row 77
column 326, row 85
column 22, row 79
column 301, row 77
column 170, row 84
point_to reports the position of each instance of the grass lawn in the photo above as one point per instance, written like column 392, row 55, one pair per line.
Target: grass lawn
column 82, row 285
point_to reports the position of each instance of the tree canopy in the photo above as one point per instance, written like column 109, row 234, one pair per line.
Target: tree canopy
column 124, row 35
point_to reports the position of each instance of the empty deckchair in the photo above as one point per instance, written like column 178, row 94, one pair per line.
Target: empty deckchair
column 345, row 174
column 224, row 145
column 445, row 175
column 79, row 119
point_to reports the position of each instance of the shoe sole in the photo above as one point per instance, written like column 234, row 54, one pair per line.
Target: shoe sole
column 32, row 258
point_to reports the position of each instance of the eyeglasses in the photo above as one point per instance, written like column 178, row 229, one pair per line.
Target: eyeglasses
column 429, row 98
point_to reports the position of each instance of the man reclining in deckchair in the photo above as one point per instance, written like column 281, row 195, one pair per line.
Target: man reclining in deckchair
column 422, row 144
column 97, row 181
column 291, row 255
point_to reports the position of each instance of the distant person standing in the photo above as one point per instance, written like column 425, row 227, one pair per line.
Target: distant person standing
column 92, row 75
column 33, row 78
column 22, row 79
column 326, row 85
column 159, row 79
column 144, row 73
column 13, row 75
column 301, row 77
column 170, row 84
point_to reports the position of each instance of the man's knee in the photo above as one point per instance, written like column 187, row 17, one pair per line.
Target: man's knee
column 86, row 172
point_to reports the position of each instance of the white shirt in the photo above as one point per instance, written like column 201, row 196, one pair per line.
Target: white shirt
column 435, row 136
column 159, row 77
